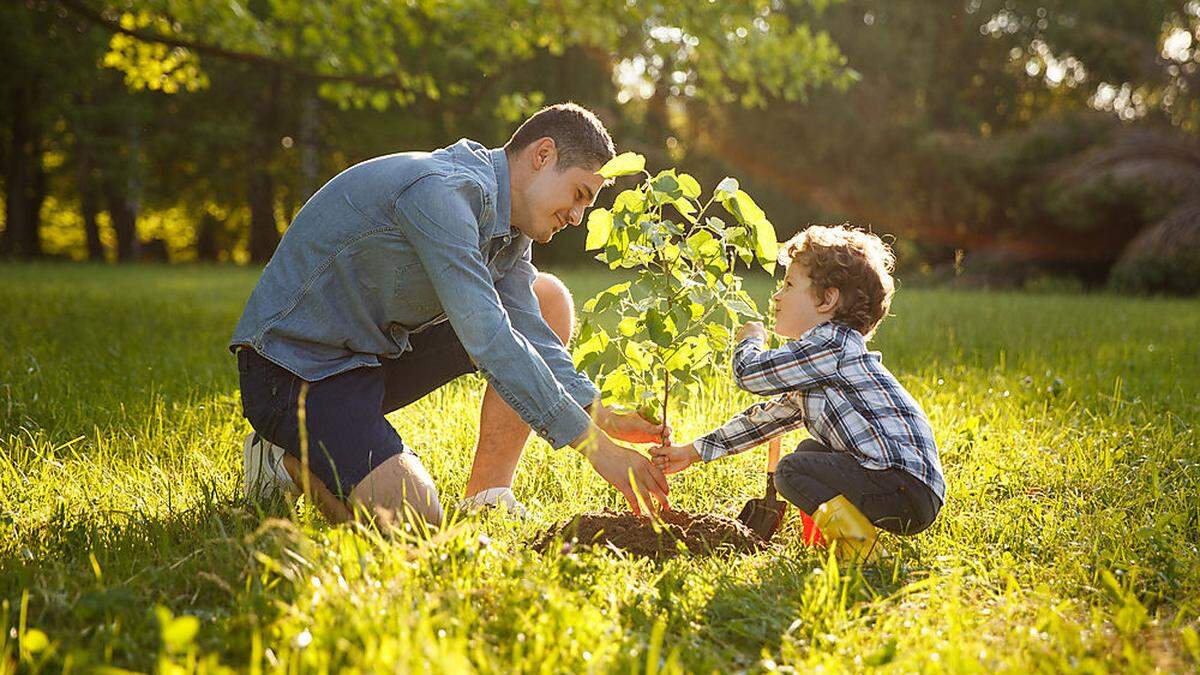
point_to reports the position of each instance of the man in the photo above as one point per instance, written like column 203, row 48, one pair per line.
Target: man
column 404, row 272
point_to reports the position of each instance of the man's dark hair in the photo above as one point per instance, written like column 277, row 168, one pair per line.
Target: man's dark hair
column 578, row 134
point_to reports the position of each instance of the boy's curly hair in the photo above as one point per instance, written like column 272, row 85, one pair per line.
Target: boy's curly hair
column 857, row 263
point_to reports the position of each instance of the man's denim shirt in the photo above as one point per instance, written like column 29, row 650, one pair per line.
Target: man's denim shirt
column 397, row 243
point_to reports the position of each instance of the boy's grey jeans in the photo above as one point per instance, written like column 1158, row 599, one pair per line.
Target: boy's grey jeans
column 892, row 499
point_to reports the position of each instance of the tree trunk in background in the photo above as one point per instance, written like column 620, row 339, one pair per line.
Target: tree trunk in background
column 124, row 222
column 24, row 181
column 206, row 238
column 264, row 231
column 37, row 196
column 89, row 202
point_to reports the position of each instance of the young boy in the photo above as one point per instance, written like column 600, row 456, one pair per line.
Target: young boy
column 872, row 452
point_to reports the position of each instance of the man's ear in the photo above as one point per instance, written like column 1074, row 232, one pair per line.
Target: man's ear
column 544, row 153
column 832, row 295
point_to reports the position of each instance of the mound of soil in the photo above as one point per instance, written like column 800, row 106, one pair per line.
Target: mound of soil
column 673, row 533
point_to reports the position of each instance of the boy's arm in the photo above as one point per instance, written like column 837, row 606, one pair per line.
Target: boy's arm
column 809, row 362
column 758, row 423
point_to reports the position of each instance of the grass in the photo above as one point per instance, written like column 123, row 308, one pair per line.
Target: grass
column 1069, row 541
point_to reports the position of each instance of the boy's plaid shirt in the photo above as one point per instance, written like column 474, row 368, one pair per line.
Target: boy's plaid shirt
column 830, row 383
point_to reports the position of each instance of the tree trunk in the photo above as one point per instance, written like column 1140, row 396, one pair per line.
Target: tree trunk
column 124, row 221
column 207, row 247
column 89, row 206
column 264, row 231
column 37, row 196
column 21, row 206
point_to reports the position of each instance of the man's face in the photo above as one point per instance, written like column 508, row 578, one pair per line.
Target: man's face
column 554, row 199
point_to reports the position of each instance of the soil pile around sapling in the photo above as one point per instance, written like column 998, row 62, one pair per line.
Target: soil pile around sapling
column 675, row 532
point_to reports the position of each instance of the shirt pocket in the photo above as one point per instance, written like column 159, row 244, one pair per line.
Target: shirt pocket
column 415, row 298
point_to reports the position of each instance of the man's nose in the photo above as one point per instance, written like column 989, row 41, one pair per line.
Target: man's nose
column 576, row 215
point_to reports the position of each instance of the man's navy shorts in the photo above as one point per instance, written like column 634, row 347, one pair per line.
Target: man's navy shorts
column 348, row 435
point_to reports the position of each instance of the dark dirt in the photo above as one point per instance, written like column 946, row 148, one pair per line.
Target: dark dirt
column 676, row 532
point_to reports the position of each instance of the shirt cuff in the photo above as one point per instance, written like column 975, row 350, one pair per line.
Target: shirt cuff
column 582, row 391
column 747, row 342
column 710, row 448
column 565, row 422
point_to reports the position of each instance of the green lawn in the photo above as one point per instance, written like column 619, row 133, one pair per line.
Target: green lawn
column 1069, row 540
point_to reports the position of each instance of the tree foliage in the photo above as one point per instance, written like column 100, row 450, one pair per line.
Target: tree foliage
column 678, row 311
column 383, row 53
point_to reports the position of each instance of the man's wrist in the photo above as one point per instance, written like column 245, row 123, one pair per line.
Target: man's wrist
column 589, row 442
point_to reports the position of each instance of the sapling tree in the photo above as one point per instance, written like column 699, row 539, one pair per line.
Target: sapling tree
column 682, row 307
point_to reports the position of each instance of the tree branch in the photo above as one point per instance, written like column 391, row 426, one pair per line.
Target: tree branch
column 98, row 18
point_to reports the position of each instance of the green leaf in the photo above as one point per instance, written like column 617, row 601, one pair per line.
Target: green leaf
column 685, row 209
column 606, row 298
column 750, row 212
column 742, row 304
column 726, row 189
column 670, row 253
column 766, row 245
column 637, row 356
column 617, row 384
column 593, row 345
column 681, row 314
column 630, row 201
column 689, row 186
column 660, row 328
column 623, row 164
column 704, row 244
column 651, row 411
column 599, row 226
column 680, row 360
column 667, row 184
column 628, row 326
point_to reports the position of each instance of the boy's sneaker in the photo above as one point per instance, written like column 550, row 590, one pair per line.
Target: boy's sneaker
column 262, row 464
column 497, row 497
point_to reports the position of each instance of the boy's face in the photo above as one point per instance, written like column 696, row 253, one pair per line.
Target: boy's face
column 796, row 305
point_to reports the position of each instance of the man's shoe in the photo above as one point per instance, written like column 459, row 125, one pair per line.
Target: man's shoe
column 262, row 464
column 497, row 497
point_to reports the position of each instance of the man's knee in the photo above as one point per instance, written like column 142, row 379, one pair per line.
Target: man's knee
column 558, row 308
column 400, row 489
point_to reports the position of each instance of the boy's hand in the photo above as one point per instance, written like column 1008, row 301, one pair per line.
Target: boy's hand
column 674, row 458
column 751, row 329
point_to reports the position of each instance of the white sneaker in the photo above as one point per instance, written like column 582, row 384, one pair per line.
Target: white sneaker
column 262, row 464
column 497, row 497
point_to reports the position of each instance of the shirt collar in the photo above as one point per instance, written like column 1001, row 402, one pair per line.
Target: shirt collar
column 503, row 226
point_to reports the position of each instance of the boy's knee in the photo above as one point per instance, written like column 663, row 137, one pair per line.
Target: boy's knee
column 558, row 308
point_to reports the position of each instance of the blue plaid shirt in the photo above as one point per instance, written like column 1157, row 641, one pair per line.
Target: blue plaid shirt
column 829, row 382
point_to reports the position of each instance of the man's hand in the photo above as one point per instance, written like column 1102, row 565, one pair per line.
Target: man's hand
column 630, row 427
column 751, row 329
column 672, row 459
column 632, row 474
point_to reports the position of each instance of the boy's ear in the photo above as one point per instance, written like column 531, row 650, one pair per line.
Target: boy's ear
column 832, row 295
